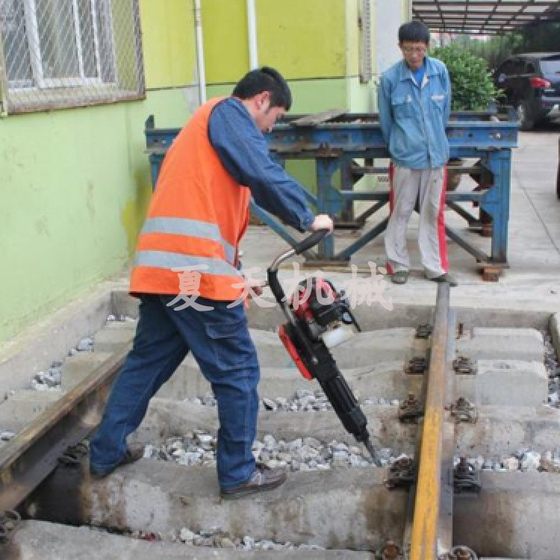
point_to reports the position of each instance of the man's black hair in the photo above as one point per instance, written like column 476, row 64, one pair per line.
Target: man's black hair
column 265, row 79
column 414, row 31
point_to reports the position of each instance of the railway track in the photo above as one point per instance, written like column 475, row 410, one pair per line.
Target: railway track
column 430, row 501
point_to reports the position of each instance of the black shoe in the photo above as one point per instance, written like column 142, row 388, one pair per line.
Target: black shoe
column 133, row 453
column 399, row 277
column 445, row 278
column 263, row 478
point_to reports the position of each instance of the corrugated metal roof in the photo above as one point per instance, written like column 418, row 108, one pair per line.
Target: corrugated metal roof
column 481, row 16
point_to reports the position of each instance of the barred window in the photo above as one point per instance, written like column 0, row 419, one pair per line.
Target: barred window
column 68, row 53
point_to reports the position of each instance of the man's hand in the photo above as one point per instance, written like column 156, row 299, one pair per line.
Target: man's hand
column 255, row 286
column 322, row 221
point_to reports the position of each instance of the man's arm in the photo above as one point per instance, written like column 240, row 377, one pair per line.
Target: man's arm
column 243, row 151
column 385, row 109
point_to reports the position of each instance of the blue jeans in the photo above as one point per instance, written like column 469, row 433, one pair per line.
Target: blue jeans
column 222, row 346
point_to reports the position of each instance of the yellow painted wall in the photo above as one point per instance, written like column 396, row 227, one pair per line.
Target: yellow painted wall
column 302, row 38
column 169, row 43
column 225, row 40
column 352, row 32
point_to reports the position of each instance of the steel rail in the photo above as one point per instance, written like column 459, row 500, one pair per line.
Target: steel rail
column 426, row 521
column 445, row 541
column 445, row 523
column 28, row 458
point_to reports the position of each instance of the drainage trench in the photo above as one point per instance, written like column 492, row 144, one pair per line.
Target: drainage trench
column 335, row 503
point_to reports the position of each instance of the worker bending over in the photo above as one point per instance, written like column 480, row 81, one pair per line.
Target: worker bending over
column 197, row 216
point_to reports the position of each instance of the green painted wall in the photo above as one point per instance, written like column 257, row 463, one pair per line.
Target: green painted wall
column 74, row 187
column 308, row 95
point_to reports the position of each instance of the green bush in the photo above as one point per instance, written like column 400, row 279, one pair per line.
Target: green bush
column 471, row 82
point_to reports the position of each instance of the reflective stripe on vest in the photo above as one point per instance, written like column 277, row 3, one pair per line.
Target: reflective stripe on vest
column 191, row 228
column 176, row 261
column 197, row 215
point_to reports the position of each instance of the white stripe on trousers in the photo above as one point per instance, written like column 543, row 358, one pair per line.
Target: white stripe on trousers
column 426, row 186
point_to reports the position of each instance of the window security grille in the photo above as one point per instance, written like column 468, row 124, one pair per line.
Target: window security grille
column 69, row 53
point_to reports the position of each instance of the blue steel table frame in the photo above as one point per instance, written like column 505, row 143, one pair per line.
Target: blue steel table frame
column 335, row 147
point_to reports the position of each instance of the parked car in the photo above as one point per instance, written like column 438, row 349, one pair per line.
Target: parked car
column 531, row 83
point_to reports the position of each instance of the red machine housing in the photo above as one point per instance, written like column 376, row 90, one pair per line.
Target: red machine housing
column 293, row 352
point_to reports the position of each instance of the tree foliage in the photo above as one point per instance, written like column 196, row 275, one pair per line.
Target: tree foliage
column 539, row 37
column 471, row 81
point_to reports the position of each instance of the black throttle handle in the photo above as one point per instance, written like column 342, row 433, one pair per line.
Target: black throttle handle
column 297, row 249
column 310, row 241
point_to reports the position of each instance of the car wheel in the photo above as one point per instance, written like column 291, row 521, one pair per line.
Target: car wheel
column 542, row 118
column 526, row 121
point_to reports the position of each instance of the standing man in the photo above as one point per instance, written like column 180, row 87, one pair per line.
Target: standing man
column 414, row 99
column 186, row 273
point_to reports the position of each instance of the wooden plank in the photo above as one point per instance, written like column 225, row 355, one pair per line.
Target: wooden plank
column 491, row 273
column 318, row 118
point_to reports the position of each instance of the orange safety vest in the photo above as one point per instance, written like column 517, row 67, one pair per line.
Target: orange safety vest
column 197, row 216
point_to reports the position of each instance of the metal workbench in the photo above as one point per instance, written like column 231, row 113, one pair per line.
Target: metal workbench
column 346, row 146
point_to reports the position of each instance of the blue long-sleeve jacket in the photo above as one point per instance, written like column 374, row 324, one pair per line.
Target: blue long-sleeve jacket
column 243, row 151
column 413, row 118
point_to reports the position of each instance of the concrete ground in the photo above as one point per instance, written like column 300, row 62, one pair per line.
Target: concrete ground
column 533, row 280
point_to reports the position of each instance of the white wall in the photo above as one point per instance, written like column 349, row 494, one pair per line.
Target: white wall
column 389, row 17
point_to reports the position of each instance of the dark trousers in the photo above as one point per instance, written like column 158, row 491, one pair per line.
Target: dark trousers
column 220, row 343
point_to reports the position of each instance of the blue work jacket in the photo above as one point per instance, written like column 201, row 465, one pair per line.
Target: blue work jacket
column 413, row 117
column 243, row 151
